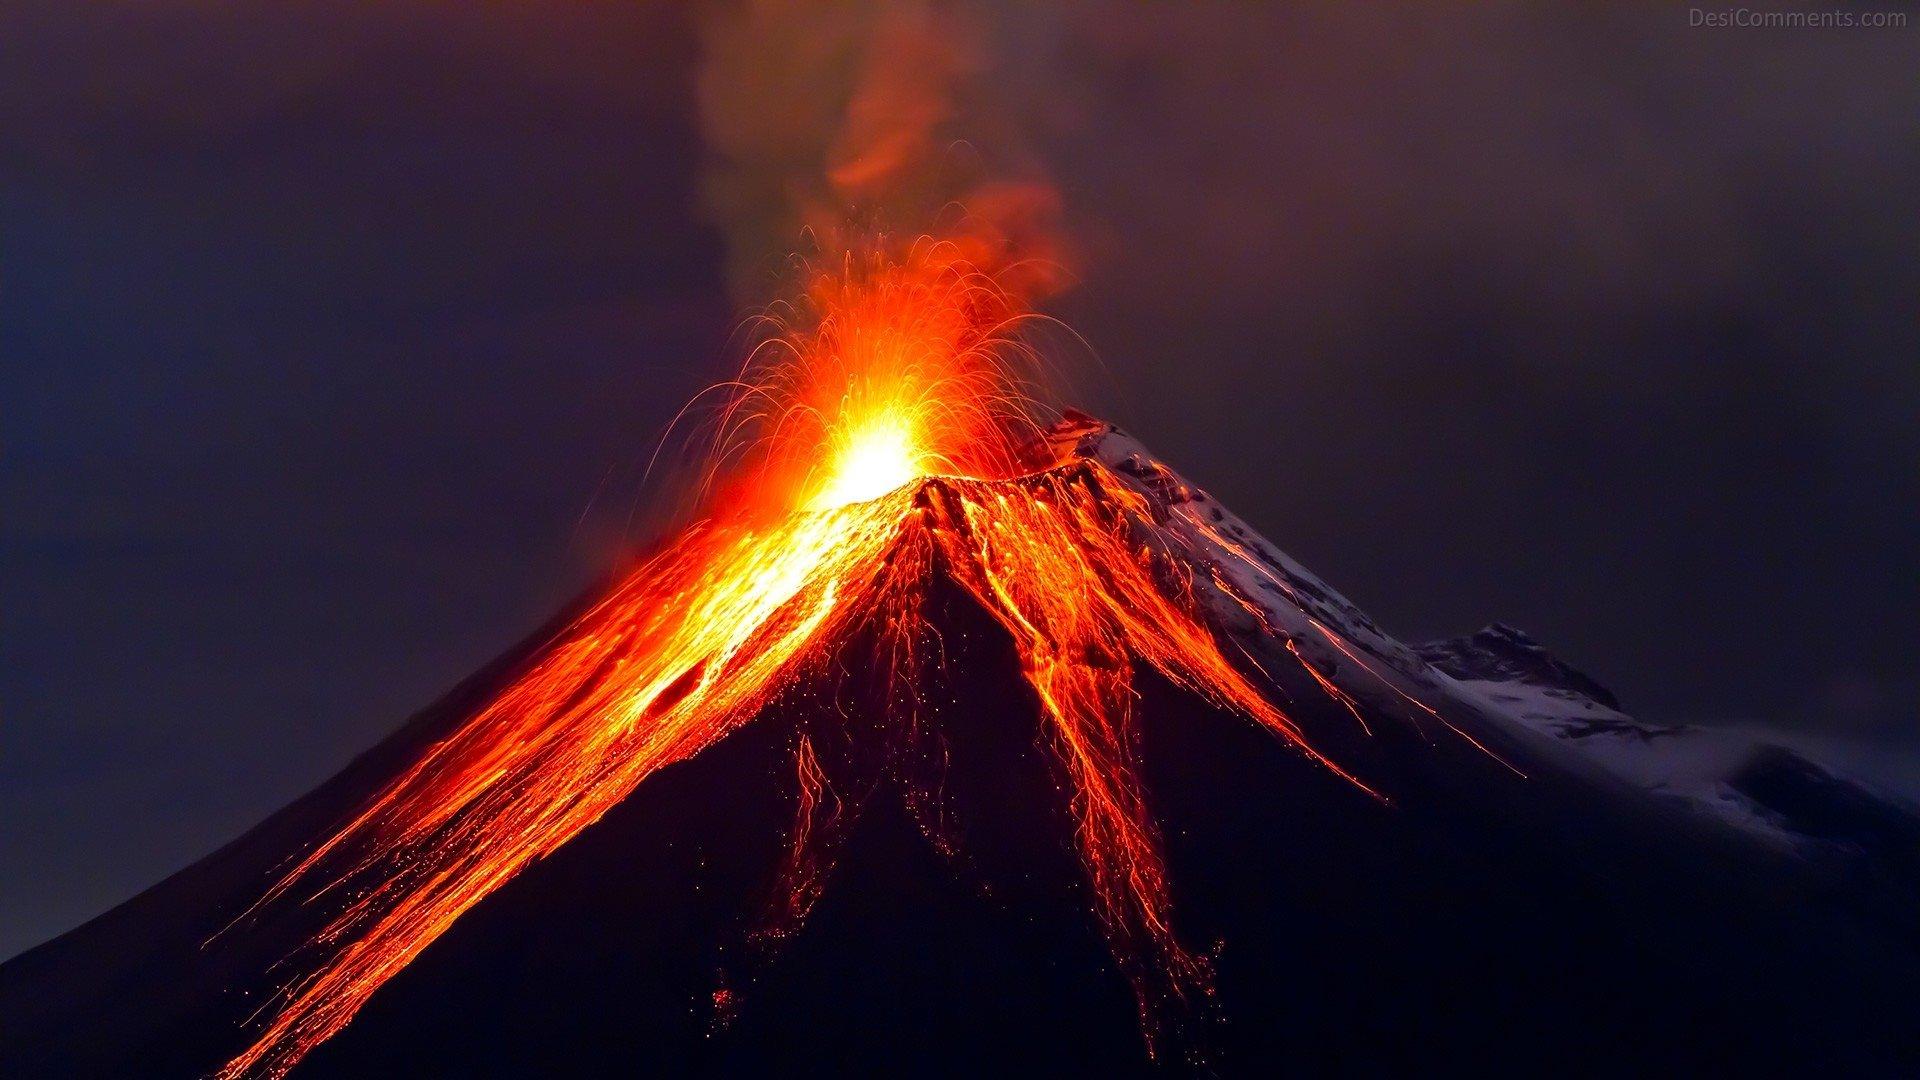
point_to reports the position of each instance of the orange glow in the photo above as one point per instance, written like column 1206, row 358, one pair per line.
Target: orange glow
column 890, row 368
column 879, row 457
column 878, row 439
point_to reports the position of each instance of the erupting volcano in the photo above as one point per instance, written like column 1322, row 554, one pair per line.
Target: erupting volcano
column 946, row 730
column 892, row 444
column 908, row 572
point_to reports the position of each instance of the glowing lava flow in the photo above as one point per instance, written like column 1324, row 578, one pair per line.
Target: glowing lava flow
column 891, row 449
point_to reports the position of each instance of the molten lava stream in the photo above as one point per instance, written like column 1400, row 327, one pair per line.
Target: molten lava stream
column 689, row 646
column 895, row 387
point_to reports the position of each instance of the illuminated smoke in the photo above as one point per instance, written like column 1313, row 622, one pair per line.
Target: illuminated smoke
column 828, row 123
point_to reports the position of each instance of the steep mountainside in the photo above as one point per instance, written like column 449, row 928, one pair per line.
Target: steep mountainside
column 1532, row 889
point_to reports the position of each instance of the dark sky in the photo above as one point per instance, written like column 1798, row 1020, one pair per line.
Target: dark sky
column 333, row 337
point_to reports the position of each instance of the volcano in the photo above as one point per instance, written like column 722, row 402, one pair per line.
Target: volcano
column 1003, row 843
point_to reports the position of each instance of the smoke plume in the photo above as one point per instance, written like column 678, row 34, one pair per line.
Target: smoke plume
column 839, row 123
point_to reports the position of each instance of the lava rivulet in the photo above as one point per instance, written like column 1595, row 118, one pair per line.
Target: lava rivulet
column 880, row 441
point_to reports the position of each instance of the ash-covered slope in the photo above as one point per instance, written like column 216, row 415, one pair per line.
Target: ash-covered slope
column 1515, row 904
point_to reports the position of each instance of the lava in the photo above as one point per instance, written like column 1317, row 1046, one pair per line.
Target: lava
column 879, row 438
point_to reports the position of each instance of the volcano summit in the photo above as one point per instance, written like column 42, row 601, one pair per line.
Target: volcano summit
column 953, row 739
column 1068, row 771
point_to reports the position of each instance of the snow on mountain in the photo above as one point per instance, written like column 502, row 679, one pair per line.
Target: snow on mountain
column 1289, row 598
column 1739, row 778
column 1622, row 874
column 1509, row 673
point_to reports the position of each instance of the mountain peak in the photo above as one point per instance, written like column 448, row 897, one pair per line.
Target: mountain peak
column 1499, row 652
column 1102, row 760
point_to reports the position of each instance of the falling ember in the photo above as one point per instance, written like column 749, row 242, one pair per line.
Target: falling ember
column 879, row 438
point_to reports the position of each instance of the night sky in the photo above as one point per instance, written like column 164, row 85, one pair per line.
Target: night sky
column 334, row 339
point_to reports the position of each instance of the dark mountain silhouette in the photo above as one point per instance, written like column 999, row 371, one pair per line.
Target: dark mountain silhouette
column 1727, row 911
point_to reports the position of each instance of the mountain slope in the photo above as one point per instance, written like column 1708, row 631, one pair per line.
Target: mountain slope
column 1759, row 787
column 1518, row 901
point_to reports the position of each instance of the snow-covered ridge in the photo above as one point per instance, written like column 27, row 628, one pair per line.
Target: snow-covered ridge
column 1739, row 777
column 1288, row 593
column 1743, row 780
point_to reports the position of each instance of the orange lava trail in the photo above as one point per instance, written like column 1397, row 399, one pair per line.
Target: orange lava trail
column 1328, row 687
column 891, row 440
column 804, row 877
column 690, row 646
column 1345, row 650
column 1340, row 644
column 1055, row 564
